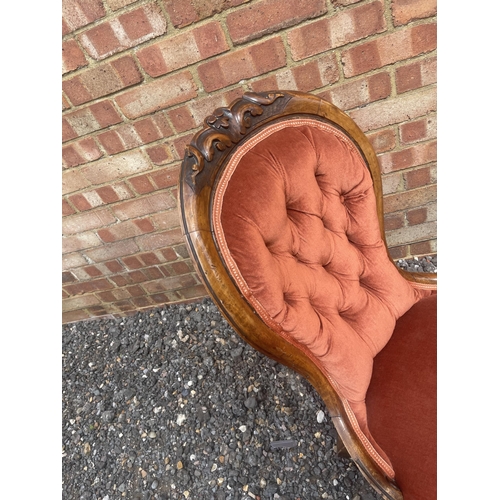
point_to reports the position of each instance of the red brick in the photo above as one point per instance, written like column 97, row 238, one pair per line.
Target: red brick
column 124, row 230
column 72, row 56
column 92, row 271
column 80, row 202
column 390, row 111
column 65, row 103
column 388, row 49
column 412, row 156
column 150, row 259
column 166, row 177
column 179, row 145
column 417, row 216
column 73, row 180
column 404, row 11
column 415, row 75
column 160, row 155
column 142, row 184
column 123, row 32
column 116, row 167
column 68, row 277
column 417, row 178
column 80, row 152
column 114, row 266
column 86, row 222
column 110, row 194
column 383, row 141
column 132, row 263
column 361, row 91
column 242, row 63
column 340, row 29
column 184, row 49
column 121, row 138
column 100, row 41
column 121, row 280
column 141, row 302
column 184, row 12
column 88, row 120
column 194, row 292
column 101, row 80
column 265, row 84
column 135, row 291
column 422, row 248
column 393, row 221
column 169, row 254
column 147, row 130
column 413, row 131
column 145, row 205
column 181, row 267
column 409, row 199
column 156, row 95
column 400, row 252
column 78, row 13
column 144, row 225
column 105, row 114
column 88, row 286
column 67, row 209
column 268, row 16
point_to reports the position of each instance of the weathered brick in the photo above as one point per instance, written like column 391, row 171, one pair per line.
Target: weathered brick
column 114, row 266
column 242, row 63
column 157, row 95
column 412, row 156
column 142, row 184
column 166, row 220
column 404, row 11
column 145, row 205
column 113, row 250
column 160, row 154
column 409, row 199
column 72, row 56
column 123, row 231
column 416, row 216
column 416, row 75
column 115, row 167
column 390, row 111
column 422, row 248
column 120, row 139
column 169, row 254
column 68, row 277
column 118, row 4
column 73, row 180
column 166, row 177
column 92, row 271
column 78, row 13
column 184, row 49
column 125, row 31
column 80, row 152
column 80, row 241
column 418, row 130
column 418, row 177
column 383, row 141
column 411, row 234
column 101, row 80
column 80, row 202
column 79, row 302
column 400, row 252
column 361, row 91
column 147, row 130
column 149, row 259
column 268, row 16
column 193, row 292
column 89, row 119
column 340, row 29
column 184, row 12
column 116, row 192
column 388, row 49
column 72, row 261
column 393, row 221
column 159, row 240
column 88, row 286
column 85, row 222
column 67, row 209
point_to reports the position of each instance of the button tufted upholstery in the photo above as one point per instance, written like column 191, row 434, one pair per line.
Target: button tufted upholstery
column 295, row 219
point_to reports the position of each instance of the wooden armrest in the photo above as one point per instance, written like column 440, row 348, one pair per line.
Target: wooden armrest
column 420, row 278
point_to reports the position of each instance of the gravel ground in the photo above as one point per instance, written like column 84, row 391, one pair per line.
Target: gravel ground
column 172, row 404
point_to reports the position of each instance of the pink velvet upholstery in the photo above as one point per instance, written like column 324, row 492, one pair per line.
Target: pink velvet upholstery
column 295, row 218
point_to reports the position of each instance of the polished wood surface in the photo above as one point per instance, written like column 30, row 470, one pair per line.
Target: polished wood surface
column 205, row 157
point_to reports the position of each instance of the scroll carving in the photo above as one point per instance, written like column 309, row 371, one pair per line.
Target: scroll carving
column 224, row 128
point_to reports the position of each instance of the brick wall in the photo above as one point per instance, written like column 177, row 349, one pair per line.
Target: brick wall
column 140, row 76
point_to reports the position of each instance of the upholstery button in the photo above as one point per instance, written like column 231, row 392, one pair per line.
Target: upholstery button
column 341, row 199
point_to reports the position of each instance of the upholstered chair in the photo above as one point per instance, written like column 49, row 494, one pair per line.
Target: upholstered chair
column 281, row 207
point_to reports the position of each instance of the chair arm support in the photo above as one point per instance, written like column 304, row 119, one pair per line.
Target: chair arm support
column 420, row 278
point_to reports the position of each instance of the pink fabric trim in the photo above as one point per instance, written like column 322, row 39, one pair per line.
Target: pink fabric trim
column 235, row 272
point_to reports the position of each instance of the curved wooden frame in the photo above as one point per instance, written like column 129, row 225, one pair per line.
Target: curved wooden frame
column 205, row 158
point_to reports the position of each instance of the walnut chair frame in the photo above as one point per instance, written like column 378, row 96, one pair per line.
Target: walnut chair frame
column 205, row 159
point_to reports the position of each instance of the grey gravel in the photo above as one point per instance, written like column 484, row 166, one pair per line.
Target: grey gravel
column 171, row 404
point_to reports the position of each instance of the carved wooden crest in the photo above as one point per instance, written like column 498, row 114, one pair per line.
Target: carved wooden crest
column 225, row 128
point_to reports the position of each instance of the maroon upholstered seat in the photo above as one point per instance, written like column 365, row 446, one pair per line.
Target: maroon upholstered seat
column 285, row 229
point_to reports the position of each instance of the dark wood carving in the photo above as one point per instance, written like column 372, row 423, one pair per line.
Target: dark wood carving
column 224, row 128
